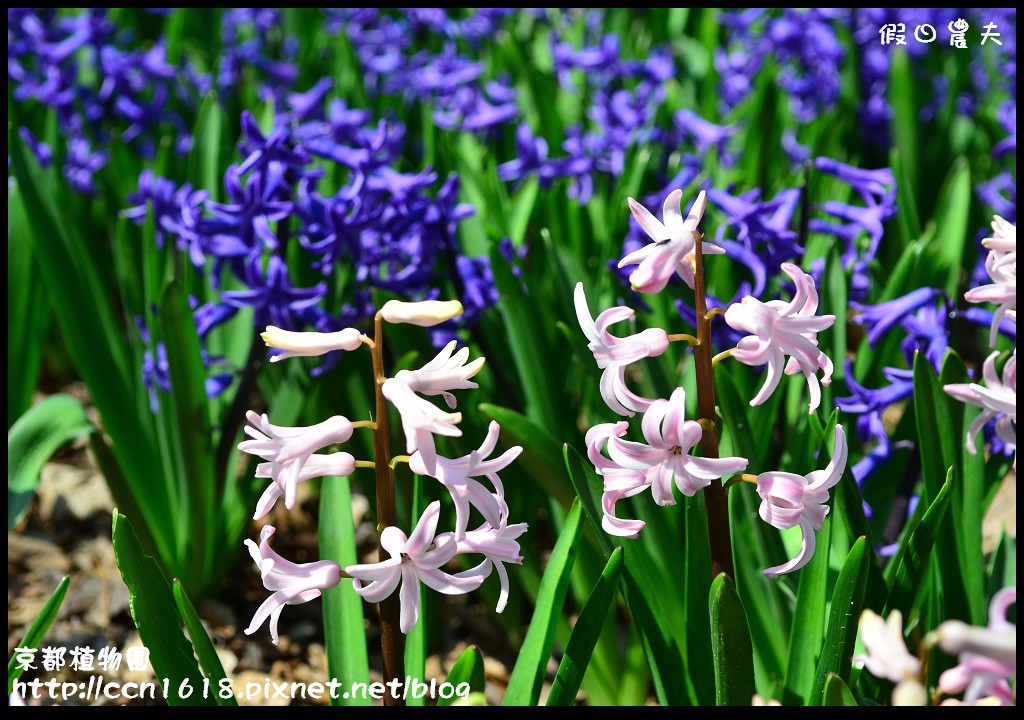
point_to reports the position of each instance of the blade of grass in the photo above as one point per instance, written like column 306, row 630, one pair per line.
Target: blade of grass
column 585, row 634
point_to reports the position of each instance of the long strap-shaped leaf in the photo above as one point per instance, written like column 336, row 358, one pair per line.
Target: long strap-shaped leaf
column 731, row 648
column 37, row 630
column 585, row 634
column 847, row 603
column 342, row 608
column 156, row 616
column 209, row 661
column 469, row 668
column 525, row 684
column 661, row 648
column 94, row 340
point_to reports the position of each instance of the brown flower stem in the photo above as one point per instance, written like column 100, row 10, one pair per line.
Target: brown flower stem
column 391, row 638
column 715, row 499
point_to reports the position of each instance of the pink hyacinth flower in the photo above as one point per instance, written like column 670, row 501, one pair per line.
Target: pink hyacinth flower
column 619, row 482
column 421, row 420
column 414, row 559
column 498, row 545
column 291, row 583
column 887, row 656
column 613, row 353
column 457, row 477
column 778, row 329
column 997, row 399
column 444, row 373
column 291, row 447
column 1001, row 265
column 666, row 457
column 339, row 464
column 789, row 500
column 988, row 655
column 673, row 244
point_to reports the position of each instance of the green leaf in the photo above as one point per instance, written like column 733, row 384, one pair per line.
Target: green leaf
column 469, row 668
column 193, row 438
column 209, row 661
column 33, row 439
column 37, row 630
column 416, row 640
column 155, row 614
column 847, row 604
column 344, row 631
column 837, row 693
column 940, row 432
column 541, row 454
column 907, row 572
column 522, row 209
column 527, row 343
column 93, row 339
column 28, row 310
column 811, row 603
column 695, row 599
column 905, row 124
column 946, row 246
column 660, row 646
column 731, row 650
column 525, row 684
column 585, row 633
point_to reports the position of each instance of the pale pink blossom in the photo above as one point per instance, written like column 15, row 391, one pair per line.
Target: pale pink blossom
column 613, row 353
column 290, row 447
column 789, row 500
column 987, row 655
column 1004, row 236
column 666, row 456
column 997, row 400
column 498, row 545
column 778, row 329
column 1001, row 265
column 673, row 244
column 310, row 344
column 619, row 482
column 291, row 583
column 339, row 464
column 421, row 420
column 457, row 476
column 887, row 656
column 414, row 559
column 425, row 313
column 444, row 373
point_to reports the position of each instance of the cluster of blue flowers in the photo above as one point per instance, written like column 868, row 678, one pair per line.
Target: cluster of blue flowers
column 100, row 87
column 393, row 231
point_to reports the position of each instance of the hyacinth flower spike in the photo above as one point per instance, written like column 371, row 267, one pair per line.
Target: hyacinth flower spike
column 414, row 559
column 789, row 500
column 291, row 583
column 672, row 246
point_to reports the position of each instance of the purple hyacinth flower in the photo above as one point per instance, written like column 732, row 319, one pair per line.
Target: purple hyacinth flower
column 272, row 296
column 880, row 318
